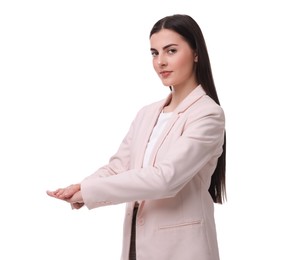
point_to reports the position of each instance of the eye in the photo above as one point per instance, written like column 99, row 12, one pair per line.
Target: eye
column 154, row 53
column 172, row 51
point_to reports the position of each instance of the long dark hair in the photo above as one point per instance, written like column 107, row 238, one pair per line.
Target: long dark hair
column 187, row 27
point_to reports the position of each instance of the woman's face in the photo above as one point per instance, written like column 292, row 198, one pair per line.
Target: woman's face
column 173, row 59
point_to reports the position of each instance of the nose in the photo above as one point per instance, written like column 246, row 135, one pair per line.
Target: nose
column 161, row 61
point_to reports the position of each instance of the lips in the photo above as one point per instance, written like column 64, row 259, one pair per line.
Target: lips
column 165, row 74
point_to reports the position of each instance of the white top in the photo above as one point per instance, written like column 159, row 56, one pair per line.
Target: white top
column 157, row 130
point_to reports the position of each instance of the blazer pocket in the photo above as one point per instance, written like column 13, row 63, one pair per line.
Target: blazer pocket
column 180, row 225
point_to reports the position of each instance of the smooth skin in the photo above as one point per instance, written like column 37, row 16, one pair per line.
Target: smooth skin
column 171, row 55
column 71, row 194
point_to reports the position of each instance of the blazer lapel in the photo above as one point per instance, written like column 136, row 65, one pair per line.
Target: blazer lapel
column 195, row 95
column 147, row 125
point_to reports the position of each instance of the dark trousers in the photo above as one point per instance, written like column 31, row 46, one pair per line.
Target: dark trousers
column 133, row 235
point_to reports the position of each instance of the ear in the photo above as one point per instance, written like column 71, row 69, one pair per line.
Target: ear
column 195, row 57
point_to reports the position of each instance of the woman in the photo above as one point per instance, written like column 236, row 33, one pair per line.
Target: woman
column 170, row 167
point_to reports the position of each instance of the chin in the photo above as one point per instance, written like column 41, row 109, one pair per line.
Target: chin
column 166, row 84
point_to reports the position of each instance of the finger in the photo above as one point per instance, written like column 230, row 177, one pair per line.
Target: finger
column 70, row 191
column 52, row 193
column 60, row 193
column 66, row 193
column 74, row 188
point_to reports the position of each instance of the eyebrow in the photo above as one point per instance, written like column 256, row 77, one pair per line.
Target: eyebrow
column 165, row 47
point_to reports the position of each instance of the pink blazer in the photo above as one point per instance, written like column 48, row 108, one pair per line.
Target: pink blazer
column 175, row 219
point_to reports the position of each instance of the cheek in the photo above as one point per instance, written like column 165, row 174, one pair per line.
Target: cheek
column 185, row 64
column 186, row 60
column 155, row 66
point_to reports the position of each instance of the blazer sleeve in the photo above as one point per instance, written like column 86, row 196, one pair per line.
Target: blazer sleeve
column 202, row 138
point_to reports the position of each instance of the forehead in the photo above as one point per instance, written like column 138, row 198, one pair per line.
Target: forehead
column 165, row 37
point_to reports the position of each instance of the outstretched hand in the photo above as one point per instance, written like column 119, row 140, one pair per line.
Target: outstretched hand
column 71, row 194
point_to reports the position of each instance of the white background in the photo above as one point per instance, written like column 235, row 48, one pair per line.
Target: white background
column 73, row 74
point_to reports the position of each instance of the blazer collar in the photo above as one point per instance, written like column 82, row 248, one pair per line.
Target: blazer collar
column 182, row 107
column 193, row 96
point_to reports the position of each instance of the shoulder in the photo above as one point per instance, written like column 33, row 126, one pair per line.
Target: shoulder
column 206, row 107
column 207, row 103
